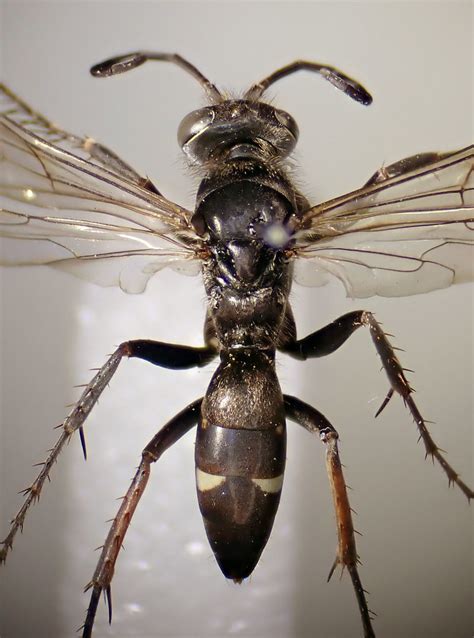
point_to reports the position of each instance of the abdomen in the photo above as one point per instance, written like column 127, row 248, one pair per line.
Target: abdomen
column 240, row 459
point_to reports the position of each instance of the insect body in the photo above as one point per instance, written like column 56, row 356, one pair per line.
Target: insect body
column 408, row 230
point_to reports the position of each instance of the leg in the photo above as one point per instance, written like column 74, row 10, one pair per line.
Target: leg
column 166, row 437
column 346, row 556
column 163, row 354
column 332, row 336
column 169, row 355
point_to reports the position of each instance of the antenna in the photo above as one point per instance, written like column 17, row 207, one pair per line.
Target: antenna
column 129, row 61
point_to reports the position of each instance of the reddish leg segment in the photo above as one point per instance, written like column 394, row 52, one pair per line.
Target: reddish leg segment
column 346, row 554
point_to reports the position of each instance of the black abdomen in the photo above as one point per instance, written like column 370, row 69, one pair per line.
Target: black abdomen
column 240, row 460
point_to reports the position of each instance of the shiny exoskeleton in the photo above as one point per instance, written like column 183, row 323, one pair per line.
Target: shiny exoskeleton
column 247, row 217
column 241, row 437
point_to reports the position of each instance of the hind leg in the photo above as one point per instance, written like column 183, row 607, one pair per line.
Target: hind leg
column 346, row 554
column 102, row 578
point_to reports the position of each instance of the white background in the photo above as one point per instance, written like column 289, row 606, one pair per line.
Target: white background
column 417, row 545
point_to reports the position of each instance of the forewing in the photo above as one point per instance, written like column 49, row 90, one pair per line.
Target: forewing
column 409, row 230
column 71, row 203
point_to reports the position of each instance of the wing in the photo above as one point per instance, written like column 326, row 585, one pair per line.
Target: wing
column 71, row 203
column 409, row 230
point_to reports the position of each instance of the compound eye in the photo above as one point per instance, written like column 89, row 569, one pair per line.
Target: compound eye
column 194, row 124
column 288, row 122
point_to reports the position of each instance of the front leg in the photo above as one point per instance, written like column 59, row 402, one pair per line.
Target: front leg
column 346, row 554
column 162, row 354
column 332, row 336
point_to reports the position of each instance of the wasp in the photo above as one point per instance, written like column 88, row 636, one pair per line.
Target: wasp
column 408, row 230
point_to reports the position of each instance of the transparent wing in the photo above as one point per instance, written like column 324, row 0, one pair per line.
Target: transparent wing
column 409, row 230
column 71, row 203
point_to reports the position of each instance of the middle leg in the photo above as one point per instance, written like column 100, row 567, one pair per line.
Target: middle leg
column 331, row 337
column 166, row 355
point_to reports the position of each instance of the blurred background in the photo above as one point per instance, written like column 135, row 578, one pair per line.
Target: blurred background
column 416, row 548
